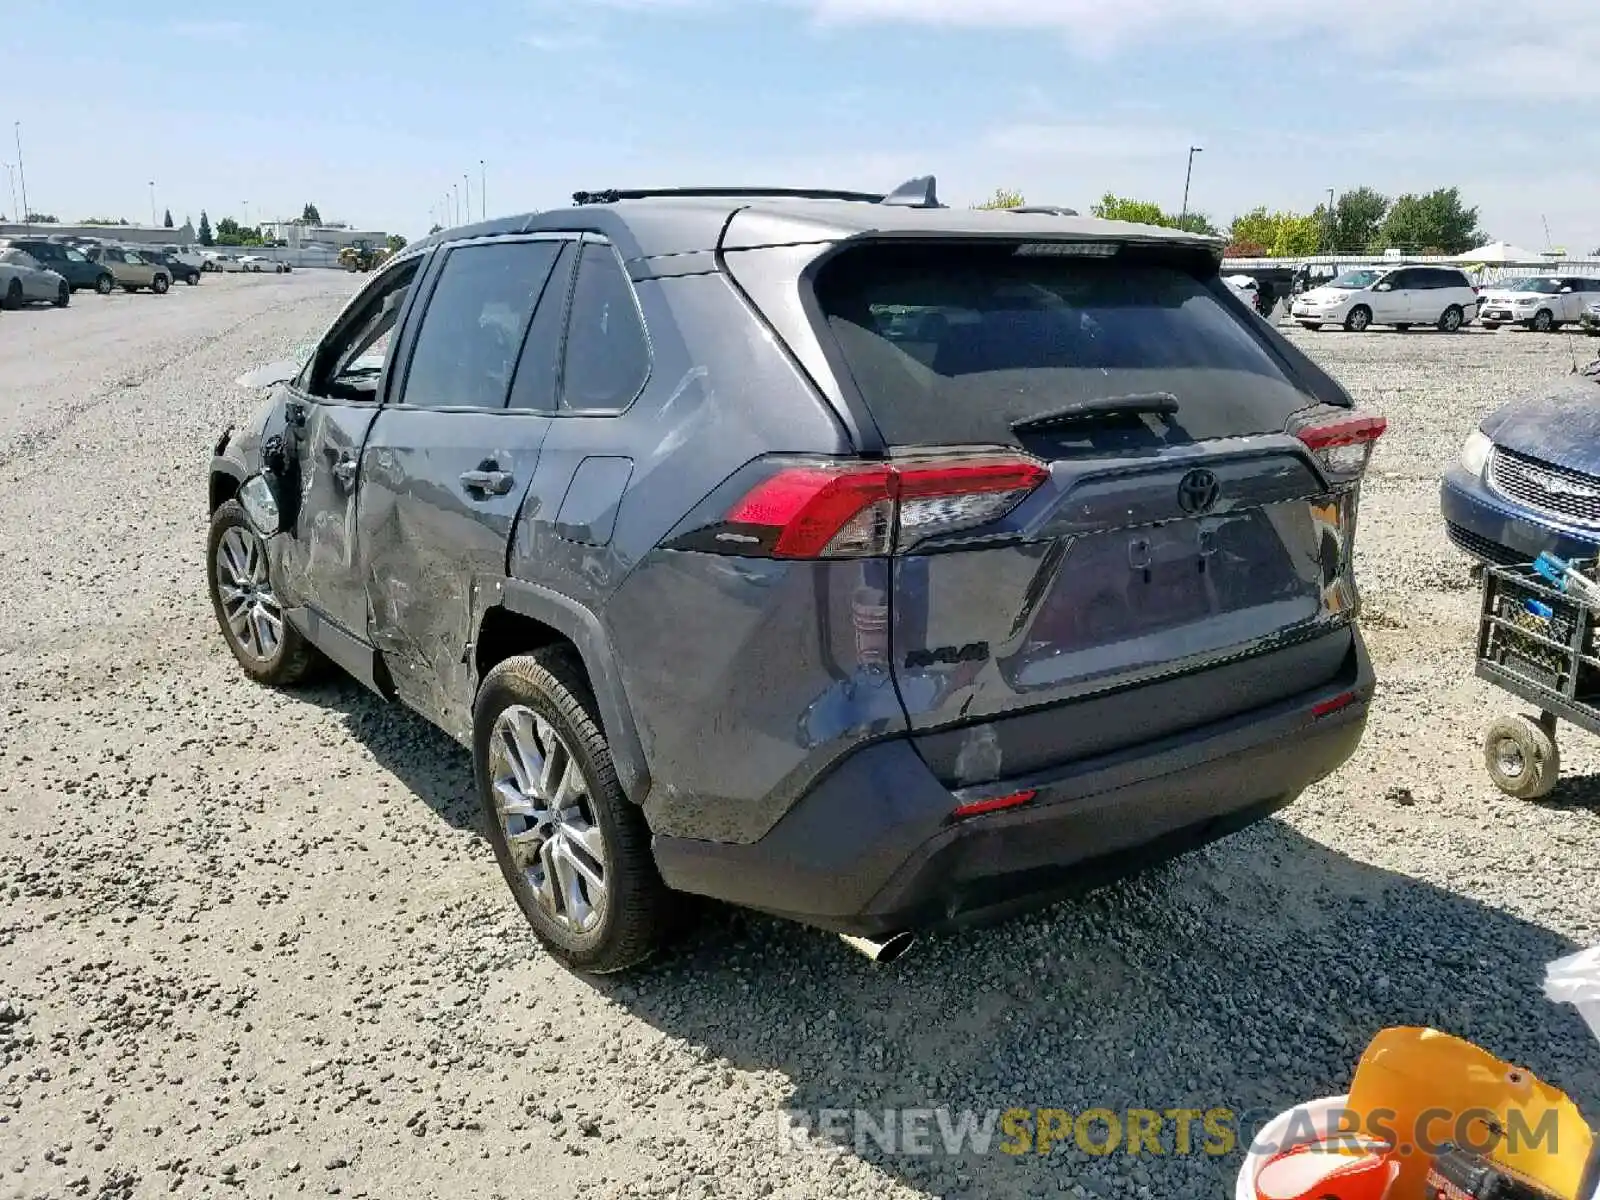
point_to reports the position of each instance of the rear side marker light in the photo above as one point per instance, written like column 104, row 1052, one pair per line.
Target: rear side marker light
column 1343, row 445
column 876, row 508
column 979, row 807
column 1339, row 703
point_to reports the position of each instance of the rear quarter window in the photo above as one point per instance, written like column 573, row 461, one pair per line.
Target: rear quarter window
column 950, row 344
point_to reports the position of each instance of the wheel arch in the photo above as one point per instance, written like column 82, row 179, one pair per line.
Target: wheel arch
column 224, row 483
column 530, row 617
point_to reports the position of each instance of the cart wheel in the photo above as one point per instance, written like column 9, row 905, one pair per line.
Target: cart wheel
column 1521, row 756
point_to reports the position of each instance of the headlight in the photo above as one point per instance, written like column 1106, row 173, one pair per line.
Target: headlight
column 1475, row 454
column 1527, row 301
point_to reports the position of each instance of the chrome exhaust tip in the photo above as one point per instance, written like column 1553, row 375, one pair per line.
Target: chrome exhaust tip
column 886, row 951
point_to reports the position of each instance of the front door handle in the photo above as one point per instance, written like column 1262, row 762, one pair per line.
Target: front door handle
column 488, row 480
column 345, row 471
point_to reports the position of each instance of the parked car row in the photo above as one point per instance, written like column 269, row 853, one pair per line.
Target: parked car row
column 221, row 260
column 49, row 269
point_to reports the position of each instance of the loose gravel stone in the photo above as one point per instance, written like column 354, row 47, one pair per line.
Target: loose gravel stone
column 244, row 933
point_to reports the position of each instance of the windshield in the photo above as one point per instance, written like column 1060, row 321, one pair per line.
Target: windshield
column 1545, row 287
column 1357, row 279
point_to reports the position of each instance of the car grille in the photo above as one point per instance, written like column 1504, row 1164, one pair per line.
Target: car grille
column 1561, row 493
column 1479, row 546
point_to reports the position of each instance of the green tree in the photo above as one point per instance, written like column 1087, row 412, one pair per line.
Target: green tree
column 1357, row 216
column 434, row 228
column 103, row 221
column 167, row 220
column 396, row 243
column 310, row 216
column 34, row 218
column 204, row 232
column 1436, row 221
column 1003, row 198
column 1112, row 207
column 1191, row 223
column 1279, row 234
column 229, row 233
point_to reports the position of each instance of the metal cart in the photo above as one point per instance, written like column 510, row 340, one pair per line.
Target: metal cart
column 1539, row 644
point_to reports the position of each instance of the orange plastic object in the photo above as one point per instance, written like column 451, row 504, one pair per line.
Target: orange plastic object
column 1429, row 1088
column 1314, row 1173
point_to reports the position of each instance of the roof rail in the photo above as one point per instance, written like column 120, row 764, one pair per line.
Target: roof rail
column 921, row 192
column 613, row 195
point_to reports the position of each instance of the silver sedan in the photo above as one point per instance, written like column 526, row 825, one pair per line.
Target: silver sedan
column 22, row 279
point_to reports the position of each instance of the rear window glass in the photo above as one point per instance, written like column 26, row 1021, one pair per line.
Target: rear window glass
column 952, row 344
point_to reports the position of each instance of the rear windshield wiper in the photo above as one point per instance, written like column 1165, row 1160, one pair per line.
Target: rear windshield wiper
column 1161, row 404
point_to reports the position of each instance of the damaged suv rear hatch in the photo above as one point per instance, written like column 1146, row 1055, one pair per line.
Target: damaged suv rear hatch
column 1110, row 509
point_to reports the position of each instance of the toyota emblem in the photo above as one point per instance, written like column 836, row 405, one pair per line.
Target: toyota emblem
column 1198, row 492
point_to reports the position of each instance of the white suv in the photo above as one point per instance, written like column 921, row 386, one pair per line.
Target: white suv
column 1542, row 302
column 1398, row 296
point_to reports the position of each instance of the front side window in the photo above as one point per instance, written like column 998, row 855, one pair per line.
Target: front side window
column 476, row 320
column 349, row 363
column 130, row 257
column 74, row 256
column 608, row 353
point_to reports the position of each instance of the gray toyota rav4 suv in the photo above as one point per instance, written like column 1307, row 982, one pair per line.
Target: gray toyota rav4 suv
column 852, row 558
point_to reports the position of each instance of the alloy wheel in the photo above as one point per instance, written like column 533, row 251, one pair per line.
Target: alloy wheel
column 254, row 616
column 548, row 819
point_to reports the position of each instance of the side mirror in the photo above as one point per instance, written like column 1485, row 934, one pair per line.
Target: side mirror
column 260, row 497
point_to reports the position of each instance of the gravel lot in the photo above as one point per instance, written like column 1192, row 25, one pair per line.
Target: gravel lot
column 250, row 943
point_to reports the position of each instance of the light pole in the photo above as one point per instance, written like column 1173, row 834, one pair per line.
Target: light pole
column 246, row 205
column 11, row 176
column 1187, row 176
column 153, row 218
column 457, row 193
column 1333, row 225
column 483, row 188
column 22, row 176
column 466, row 190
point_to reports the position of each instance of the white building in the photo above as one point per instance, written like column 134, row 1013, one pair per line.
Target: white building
column 333, row 235
column 147, row 235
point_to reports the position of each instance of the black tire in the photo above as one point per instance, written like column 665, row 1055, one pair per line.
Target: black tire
column 1543, row 321
column 1358, row 319
column 192, row 278
column 1521, row 757
column 1452, row 319
column 160, row 284
column 14, row 295
column 637, row 914
column 105, row 285
column 63, row 295
column 294, row 658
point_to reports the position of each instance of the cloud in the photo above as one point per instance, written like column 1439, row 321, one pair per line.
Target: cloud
column 1084, row 140
column 559, row 43
column 232, row 33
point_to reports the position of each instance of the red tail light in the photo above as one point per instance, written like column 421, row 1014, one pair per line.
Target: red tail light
column 850, row 509
column 1342, row 444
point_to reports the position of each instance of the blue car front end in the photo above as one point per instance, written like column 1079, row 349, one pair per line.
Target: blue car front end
column 1529, row 481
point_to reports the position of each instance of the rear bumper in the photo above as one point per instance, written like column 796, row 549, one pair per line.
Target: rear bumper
column 872, row 848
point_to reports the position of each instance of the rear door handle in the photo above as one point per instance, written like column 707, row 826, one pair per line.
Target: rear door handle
column 488, row 481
